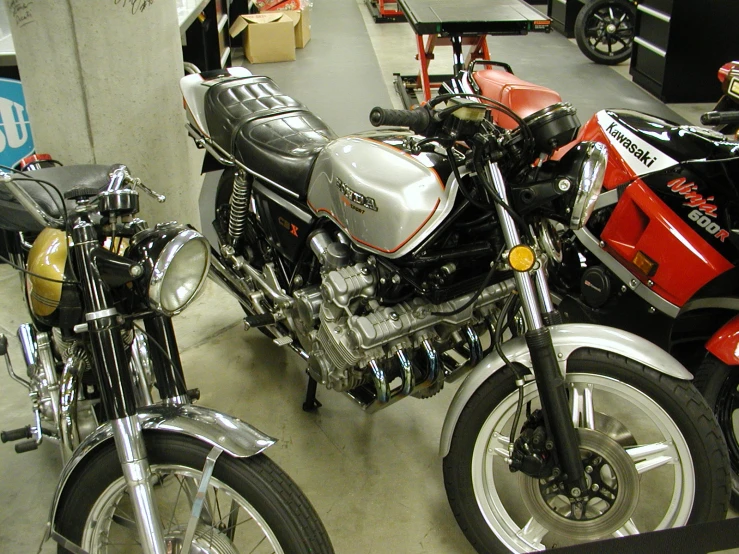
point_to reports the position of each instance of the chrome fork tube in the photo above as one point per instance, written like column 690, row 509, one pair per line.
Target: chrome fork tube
column 542, row 286
column 524, row 282
column 129, row 442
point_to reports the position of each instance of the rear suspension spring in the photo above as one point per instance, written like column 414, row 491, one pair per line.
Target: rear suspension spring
column 239, row 205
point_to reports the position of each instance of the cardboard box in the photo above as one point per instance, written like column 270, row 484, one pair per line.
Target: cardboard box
column 263, row 5
column 268, row 37
column 302, row 23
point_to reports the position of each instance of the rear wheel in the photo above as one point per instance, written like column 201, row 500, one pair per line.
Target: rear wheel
column 719, row 384
column 652, row 453
column 604, row 30
column 251, row 505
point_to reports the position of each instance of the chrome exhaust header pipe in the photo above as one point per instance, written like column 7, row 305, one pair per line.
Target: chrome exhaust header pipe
column 379, row 379
column 409, row 381
column 432, row 356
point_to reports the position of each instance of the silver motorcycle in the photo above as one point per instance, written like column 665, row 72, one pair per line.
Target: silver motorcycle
column 398, row 260
column 145, row 470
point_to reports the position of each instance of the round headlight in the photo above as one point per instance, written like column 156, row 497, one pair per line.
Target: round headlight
column 590, row 176
column 177, row 260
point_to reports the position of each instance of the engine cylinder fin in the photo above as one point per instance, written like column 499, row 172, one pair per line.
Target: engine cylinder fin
column 239, row 206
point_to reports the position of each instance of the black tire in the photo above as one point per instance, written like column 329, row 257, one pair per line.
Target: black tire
column 604, row 30
column 680, row 401
column 258, row 481
column 719, row 384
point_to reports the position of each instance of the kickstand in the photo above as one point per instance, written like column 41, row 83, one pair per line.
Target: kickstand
column 311, row 404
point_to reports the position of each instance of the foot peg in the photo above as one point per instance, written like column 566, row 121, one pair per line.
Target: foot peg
column 258, row 320
column 26, row 446
column 16, row 434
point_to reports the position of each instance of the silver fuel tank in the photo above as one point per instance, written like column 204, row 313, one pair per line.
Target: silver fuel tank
column 386, row 200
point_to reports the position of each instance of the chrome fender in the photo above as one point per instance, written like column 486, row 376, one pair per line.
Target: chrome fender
column 235, row 437
column 566, row 339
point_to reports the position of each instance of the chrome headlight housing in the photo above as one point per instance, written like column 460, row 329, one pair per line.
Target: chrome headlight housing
column 176, row 260
column 588, row 169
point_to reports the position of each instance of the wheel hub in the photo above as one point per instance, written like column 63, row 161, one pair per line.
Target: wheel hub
column 611, row 28
column 609, row 502
column 207, row 540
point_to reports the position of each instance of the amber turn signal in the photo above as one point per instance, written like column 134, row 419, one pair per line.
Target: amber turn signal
column 521, row 258
column 645, row 264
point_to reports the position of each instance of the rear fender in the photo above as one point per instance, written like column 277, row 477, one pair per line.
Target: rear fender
column 724, row 344
column 566, row 339
column 235, row 437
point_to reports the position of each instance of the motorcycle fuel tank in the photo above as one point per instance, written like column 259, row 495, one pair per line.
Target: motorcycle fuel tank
column 46, row 261
column 385, row 199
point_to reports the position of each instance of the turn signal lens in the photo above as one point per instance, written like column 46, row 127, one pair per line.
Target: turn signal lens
column 645, row 264
column 521, row 258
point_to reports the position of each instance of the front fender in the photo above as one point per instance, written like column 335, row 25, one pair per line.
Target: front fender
column 566, row 339
column 235, row 437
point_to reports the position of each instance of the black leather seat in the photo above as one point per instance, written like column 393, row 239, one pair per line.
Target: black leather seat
column 230, row 104
column 283, row 147
column 14, row 217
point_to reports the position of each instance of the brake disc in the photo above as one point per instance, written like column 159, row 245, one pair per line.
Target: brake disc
column 609, row 502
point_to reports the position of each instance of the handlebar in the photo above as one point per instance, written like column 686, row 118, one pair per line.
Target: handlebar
column 719, row 118
column 417, row 120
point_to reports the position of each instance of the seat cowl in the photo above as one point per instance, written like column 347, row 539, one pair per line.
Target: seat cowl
column 522, row 97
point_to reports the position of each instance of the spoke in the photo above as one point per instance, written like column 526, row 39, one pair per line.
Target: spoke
column 583, row 413
column 533, row 532
column 652, row 456
column 503, row 449
column 258, row 545
column 629, row 528
column 124, row 521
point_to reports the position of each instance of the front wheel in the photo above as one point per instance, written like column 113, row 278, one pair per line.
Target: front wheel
column 251, row 505
column 653, row 457
column 604, row 30
column 719, row 384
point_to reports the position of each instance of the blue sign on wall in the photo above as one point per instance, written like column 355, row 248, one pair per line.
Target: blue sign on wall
column 16, row 141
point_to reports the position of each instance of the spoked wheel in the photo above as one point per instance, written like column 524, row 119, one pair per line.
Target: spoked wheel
column 719, row 384
column 604, row 30
column 250, row 504
column 652, row 454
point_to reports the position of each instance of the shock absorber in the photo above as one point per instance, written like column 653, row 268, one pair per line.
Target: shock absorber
column 239, row 205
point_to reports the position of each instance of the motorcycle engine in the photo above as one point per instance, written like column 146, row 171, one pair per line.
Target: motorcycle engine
column 353, row 339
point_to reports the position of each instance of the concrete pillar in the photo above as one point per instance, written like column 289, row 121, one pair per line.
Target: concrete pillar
column 101, row 84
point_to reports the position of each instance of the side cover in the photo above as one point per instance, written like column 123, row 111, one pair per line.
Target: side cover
column 386, row 200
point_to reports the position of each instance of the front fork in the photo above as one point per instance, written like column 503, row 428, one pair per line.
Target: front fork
column 549, row 380
column 116, row 389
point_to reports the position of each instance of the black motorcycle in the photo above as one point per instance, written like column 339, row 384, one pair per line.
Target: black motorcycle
column 140, row 475
column 394, row 261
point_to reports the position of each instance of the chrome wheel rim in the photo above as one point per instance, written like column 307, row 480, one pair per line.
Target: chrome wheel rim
column 229, row 523
column 661, row 458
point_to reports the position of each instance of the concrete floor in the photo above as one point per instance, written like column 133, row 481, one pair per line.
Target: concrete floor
column 375, row 480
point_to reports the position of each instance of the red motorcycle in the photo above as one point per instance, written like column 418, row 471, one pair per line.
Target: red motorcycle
column 659, row 255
